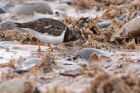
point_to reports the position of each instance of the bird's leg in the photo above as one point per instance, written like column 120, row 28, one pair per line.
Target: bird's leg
column 39, row 50
column 37, row 53
column 38, row 44
column 49, row 45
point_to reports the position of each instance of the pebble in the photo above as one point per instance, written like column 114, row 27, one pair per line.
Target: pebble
column 122, row 17
column 130, row 30
column 69, row 68
column 104, row 24
column 29, row 8
column 27, row 64
column 66, row 1
column 86, row 52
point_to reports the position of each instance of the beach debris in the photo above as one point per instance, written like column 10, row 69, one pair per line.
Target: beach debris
column 59, row 89
column 46, row 64
column 114, row 11
column 83, row 4
column 106, row 83
column 130, row 30
column 29, row 8
column 135, row 3
column 95, row 30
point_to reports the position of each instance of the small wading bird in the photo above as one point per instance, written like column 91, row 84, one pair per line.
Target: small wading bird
column 46, row 30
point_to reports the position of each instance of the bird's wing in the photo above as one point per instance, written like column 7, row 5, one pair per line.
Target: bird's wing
column 46, row 25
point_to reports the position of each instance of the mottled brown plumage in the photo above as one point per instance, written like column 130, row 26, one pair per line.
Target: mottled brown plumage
column 45, row 25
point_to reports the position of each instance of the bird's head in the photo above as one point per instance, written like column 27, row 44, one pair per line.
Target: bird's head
column 7, row 25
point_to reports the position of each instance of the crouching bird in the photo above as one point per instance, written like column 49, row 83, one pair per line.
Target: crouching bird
column 46, row 30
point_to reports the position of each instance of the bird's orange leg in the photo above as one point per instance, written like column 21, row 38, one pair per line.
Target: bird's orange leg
column 39, row 48
column 38, row 44
column 49, row 45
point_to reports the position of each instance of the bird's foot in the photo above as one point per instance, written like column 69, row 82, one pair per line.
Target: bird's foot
column 50, row 48
column 39, row 50
column 38, row 53
column 56, row 48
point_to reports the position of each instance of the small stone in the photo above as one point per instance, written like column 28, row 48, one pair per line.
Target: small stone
column 27, row 64
column 66, row 1
column 104, row 24
column 130, row 30
column 122, row 17
column 69, row 68
column 29, row 8
column 85, row 53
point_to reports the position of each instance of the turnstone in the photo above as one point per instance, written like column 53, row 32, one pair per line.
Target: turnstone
column 47, row 30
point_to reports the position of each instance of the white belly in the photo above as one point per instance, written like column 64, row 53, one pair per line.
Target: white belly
column 51, row 39
column 45, row 37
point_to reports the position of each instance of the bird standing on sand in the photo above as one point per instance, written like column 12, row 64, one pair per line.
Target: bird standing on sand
column 46, row 30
